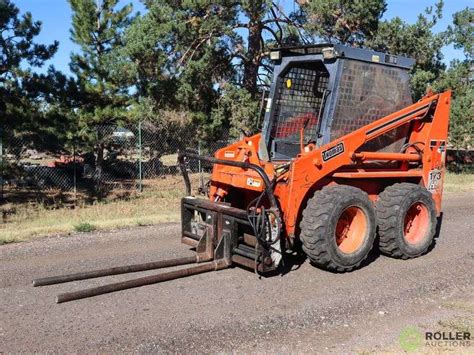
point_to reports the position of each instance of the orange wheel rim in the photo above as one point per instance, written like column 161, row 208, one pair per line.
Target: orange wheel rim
column 416, row 223
column 351, row 229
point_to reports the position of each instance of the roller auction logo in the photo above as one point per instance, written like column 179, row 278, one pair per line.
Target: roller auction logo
column 412, row 339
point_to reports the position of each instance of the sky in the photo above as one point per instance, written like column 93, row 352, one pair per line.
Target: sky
column 55, row 16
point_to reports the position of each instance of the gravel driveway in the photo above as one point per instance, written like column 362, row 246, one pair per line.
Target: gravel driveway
column 233, row 310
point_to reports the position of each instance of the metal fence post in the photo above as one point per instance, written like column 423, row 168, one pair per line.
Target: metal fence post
column 1, row 163
column 75, row 171
column 140, row 183
column 201, row 175
column 199, row 152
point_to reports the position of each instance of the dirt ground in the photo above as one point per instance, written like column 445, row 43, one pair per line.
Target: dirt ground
column 306, row 310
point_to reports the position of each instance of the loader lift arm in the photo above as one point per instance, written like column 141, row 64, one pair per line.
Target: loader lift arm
column 344, row 159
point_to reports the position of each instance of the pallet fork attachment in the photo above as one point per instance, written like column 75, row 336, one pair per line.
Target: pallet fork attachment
column 216, row 249
column 206, row 257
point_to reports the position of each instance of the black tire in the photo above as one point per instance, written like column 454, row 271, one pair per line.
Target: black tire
column 321, row 218
column 393, row 206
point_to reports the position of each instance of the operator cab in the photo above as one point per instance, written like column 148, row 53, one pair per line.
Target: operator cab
column 330, row 90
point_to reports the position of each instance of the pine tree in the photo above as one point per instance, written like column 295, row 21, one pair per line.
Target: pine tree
column 460, row 79
column 342, row 21
column 462, row 31
column 98, row 28
column 187, row 55
column 417, row 41
column 18, row 91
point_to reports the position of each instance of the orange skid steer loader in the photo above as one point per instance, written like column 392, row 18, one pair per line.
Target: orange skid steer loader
column 344, row 155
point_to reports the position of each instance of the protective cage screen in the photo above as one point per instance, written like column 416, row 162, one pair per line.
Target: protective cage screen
column 299, row 95
column 368, row 92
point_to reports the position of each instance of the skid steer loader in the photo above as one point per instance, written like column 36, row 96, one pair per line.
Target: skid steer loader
column 344, row 156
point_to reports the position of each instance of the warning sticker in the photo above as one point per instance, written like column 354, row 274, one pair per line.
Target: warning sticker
column 434, row 180
column 438, row 143
column 229, row 154
column 253, row 182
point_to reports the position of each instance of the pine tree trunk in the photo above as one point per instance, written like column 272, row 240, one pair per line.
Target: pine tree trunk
column 252, row 64
column 100, row 158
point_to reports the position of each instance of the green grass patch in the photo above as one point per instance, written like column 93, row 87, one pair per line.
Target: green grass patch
column 84, row 227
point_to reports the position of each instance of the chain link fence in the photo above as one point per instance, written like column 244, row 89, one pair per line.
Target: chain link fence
column 120, row 161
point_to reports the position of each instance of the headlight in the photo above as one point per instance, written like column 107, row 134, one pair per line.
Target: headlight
column 275, row 55
column 329, row 53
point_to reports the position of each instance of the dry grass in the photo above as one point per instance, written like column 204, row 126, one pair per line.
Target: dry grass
column 169, row 160
column 458, row 182
column 159, row 203
column 31, row 222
